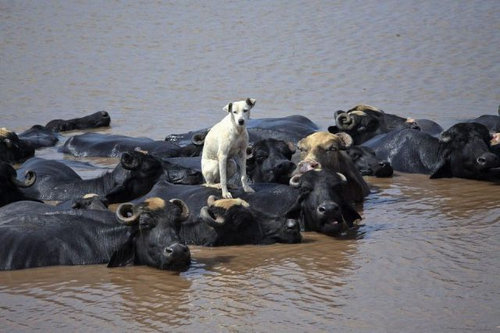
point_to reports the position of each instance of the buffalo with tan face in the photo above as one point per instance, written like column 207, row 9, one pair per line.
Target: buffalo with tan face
column 364, row 122
column 328, row 151
column 235, row 222
column 34, row 234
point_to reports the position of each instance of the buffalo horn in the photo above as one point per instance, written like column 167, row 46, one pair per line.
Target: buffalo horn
column 127, row 213
column 205, row 215
column 29, row 179
column 294, row 181
column 184, row 208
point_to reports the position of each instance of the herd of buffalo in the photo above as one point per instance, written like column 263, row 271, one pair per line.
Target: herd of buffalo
column 153, row 205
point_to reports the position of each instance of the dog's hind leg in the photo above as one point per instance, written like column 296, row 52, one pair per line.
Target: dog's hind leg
column 210, row 171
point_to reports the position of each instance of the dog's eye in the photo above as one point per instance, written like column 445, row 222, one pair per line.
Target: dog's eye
column 245, row 110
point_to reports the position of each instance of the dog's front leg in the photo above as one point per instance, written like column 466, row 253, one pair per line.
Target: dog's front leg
column 242, row 163
column 223, row 176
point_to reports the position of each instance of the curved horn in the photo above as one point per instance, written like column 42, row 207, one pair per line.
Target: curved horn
column 345, row 121
column 184, row 208
column 211, row 200
column 208, row 219
column 29, row 179
column 294, row 181
column 445, row 137
column 127, row 213
column 199, row 139
column 343, row 179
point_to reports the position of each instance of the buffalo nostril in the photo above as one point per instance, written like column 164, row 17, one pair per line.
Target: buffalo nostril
column 321, row 209
column 168, row 251
column 291, row 224
column 481, row 160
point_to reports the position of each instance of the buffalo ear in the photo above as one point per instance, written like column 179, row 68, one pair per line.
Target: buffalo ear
column 125, row 255
column 333, row 129
column 345, row 140
column 442, row 170
column 350, row 214
column 294, row 211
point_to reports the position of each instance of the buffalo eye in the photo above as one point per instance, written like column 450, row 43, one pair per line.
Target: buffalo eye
column 333, row 148
column 354, row 156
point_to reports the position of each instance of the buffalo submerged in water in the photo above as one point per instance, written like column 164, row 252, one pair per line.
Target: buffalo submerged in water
column 34, row 234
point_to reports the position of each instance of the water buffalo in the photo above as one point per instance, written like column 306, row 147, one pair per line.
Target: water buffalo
column 39, row 137
column 10, row 185
column 461, row 151
column 364, row 122
column 234, row 222
column 269, row 161
column 368, row 164
column 178, row 174
column 107, row 145
column 328, row 151
column 13, row 149
column 321, row 205
column 132, row 177
column 34, row 234
column 290, row 128
column 302, row 201
column 95, row 120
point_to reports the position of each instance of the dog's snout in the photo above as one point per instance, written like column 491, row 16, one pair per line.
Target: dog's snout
column 241, row 122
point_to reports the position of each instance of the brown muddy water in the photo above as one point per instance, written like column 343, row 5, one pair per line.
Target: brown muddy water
column 426, row 259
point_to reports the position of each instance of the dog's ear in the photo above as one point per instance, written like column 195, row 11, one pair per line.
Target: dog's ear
column 228, row 108
column 251, row 101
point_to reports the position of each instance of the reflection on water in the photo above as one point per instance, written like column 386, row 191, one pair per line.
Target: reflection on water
column 426, row 259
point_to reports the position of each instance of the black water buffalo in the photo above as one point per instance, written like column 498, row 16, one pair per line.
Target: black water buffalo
column 319, row 194
column 34, row 235
column 39, row 137
column 234, row 222
column 321, row 205
column 461, row 151
column 269, row 161
column 290, row 129
column 10, row 186
column 95, row 120
column 179, row 174
column 328, row 151
column 13, row 149
column 132, row 177
column 368, row 164
column 364, row 122
column 107, row 145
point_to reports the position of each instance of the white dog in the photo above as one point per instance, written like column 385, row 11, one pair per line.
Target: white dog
column 225, row 144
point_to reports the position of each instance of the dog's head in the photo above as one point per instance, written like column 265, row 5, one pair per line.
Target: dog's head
column 240, row 110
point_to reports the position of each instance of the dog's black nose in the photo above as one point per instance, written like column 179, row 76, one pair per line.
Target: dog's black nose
column 241, row 122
